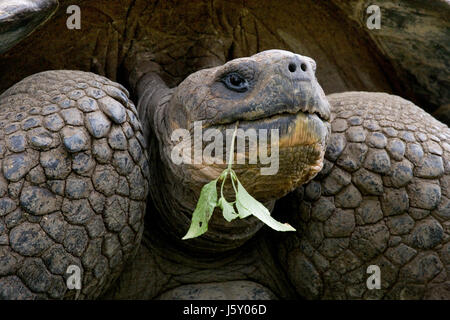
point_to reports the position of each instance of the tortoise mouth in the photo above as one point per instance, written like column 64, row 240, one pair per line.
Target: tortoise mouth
column 295, row 156
column 292, row 129
column 308, row 103
column 320, row 109
column 307, row 109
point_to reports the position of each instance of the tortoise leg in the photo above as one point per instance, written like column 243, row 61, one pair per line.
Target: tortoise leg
column 73, row 184
column 18, row 19
column 382, row 199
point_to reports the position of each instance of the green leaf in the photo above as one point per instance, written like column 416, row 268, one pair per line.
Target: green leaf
column 227, row 209
column 242, row 211
column 203, row 211
column 247, row 205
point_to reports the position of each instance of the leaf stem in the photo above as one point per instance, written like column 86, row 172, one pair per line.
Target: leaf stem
column 231, row 157
column 233, row 177
column 223, row 183
column 230, row 162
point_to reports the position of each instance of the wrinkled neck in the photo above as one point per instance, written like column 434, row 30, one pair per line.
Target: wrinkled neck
column 173, row 193
column 152, row 95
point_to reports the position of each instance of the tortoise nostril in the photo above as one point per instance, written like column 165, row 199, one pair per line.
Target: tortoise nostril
column 303, row 66
column 292, row 67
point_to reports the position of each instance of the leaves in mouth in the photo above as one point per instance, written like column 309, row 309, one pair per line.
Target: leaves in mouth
column 227, row 209
column 203, row 211
column 245, row 204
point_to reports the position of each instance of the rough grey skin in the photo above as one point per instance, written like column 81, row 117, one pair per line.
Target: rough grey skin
column 381, row 199
column 74, row 172
column 73, row 185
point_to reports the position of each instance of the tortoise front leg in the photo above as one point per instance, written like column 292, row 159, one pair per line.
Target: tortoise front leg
column 73, row 184
column 382, row 199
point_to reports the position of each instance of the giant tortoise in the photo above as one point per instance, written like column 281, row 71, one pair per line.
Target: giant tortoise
column 363, row 177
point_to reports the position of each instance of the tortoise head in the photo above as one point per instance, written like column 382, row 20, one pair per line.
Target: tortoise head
column 282, row 116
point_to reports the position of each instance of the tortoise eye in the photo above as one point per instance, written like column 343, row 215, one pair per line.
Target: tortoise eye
column 235, row 82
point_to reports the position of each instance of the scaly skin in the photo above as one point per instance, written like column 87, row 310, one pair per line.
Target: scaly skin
column 381, row 199
column 73, row 184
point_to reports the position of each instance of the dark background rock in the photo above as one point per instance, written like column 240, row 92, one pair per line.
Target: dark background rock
column 19, row 18
column 415, row 38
